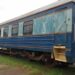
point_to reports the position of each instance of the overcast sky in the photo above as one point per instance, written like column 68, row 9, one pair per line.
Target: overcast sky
column 13, row 8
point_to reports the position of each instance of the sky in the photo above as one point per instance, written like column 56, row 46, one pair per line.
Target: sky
column 10, row 9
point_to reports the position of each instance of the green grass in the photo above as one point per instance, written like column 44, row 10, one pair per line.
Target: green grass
column 35, row 68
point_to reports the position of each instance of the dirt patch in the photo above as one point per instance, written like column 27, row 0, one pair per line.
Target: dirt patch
column 17, row 70
column 7, row 70
column 3, row 67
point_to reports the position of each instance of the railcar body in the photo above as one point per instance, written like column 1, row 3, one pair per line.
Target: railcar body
column 47, row 30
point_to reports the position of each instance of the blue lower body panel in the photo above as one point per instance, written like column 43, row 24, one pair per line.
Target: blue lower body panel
column 33, row 43
column 41, row 43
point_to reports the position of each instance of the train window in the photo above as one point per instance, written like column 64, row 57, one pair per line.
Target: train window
column 27, row 29
column 10, row 29
column 14, row 30
column 5, row 32
column 63, row 21
column 20, row 33
column 0, row 32
column 60, row 22
column 74, row 32
column 69, row 20
column 53, row 23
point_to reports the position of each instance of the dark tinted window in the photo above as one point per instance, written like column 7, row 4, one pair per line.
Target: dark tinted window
column 14, row 30
column 5, row 32
column 0, row 32
column 27, row 29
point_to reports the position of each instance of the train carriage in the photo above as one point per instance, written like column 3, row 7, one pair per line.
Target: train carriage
column 48, row 32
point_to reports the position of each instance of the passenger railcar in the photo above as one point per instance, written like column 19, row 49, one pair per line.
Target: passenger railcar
column 43, row 34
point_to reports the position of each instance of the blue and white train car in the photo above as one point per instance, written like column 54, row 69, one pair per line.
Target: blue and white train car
column 48, row 32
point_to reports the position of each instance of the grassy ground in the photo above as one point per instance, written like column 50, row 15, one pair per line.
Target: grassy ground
column 34, row 68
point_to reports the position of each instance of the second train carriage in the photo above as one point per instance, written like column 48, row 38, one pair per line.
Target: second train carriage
column 50, row 30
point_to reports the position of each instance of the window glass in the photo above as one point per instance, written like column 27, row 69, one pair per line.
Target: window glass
column 2, row 29
column 14, row 30
column 10, row 30
column 20, row 33
column 69, row 20
column 54, row 23
column 27, row 29
column 59, row 24
column 5, row 32
column 0, row 32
